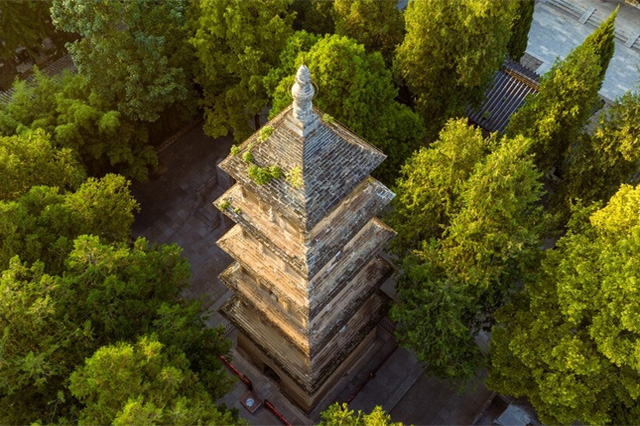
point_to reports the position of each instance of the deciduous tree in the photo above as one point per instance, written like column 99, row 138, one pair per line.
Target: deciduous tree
column 237, row 43
column 356, row 88
column 132, row 53
column 378, row 24
column 42, row 224
column 127, row 384
column 77, row 118
column 450, row 53
column 569, row 344
column 340, row 415
column 29, row 160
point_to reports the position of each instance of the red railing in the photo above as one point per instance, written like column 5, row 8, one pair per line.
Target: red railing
column 277, row 413
column 249, row 385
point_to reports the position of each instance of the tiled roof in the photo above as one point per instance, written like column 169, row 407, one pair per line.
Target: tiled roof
column 332, row 160
column 512, row 84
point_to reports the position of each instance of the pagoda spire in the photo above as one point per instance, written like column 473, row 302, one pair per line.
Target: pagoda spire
column 303, row 93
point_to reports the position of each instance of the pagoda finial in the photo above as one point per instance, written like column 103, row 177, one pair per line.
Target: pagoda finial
column 303, row 92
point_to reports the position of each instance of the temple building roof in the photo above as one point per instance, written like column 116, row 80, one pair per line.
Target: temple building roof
column 321, row 160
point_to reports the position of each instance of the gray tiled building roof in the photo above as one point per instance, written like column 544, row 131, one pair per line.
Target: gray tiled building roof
column 512, row 84
column 332, row 159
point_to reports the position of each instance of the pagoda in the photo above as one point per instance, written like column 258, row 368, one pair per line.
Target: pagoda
column 306, row 246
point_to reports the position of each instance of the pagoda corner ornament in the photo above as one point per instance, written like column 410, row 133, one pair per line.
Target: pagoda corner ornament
column 306, row 246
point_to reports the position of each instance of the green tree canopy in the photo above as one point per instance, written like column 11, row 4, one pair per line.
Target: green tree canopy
column 356, row 88
column 104, row 294
column 23, row 23
column 520, row 28
column 601, row 162
column 603, row 42
column 77, row 118
column 430, row 182
column 126, row 384
column 237, row 43
column 452, row 285
column 553, row 119
column 378, row 24
column 340, row 415
column 314, row 16
column 450, row 53
column 569, row 344
column 29, row 160
column 132, row 53
column 42, row 223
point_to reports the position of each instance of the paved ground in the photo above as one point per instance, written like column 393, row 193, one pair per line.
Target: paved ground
column 554, row 33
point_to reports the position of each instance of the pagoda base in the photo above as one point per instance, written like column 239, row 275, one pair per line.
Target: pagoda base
column 356, row 361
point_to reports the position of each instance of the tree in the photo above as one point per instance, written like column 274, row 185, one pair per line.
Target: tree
column 29, row 160
column 104, row 293
column 132, row 53
column 520, row 27
column 23, row 23
column 237, row 43
column 603, row 42
column 356, row 88
column 314, row 16
column 430, row 182
column 569, row 342
column 42, row 224
column 553, row 119
column 611, row 156
column 378, row 24
column 77, row 118
column 125, row 384
column 450, row 53
column 340, row 415
column 453, row 285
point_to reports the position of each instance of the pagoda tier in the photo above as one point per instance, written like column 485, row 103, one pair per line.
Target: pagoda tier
column 307, row 269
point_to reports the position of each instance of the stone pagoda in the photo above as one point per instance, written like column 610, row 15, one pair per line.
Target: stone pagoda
column 306, row 246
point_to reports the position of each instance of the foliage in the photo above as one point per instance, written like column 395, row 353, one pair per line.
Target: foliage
column 235, row 150
column 450, row 53
column 453, row 285
column 300, row 41
column 603, row 42
column 340, row 415
column 132, row 53
column 430, row 182
column 569, row 343
column 263, row 175
column 23, row 23
column 314, row 16
column 294, row 177
column 264, row 133
column 42, row 224
column 105, row 293
column 357, row 89
column 378, row 24
column 247, row 157
column 126, row 384
column 29, row 160
column 600, row 163
column 224, row 204
column 553, row 118
column 76, row 118
column 520, row 27
column 237, row 43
